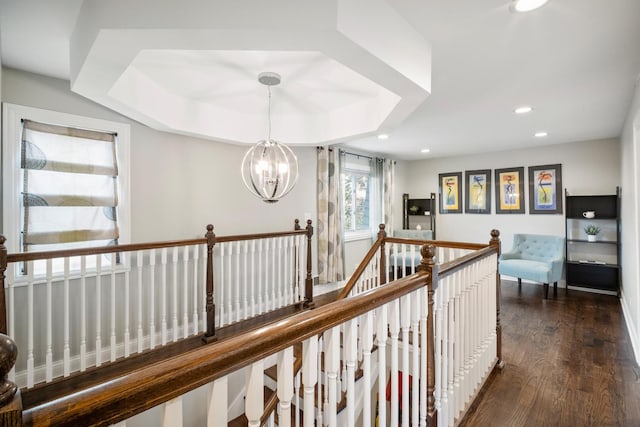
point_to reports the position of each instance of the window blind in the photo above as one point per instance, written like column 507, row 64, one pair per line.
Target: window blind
column 70, row 187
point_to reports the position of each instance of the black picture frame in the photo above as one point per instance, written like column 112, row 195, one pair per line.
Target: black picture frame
column 477, row 190
column 509, row 187
column 450, row 187
column 545, row 189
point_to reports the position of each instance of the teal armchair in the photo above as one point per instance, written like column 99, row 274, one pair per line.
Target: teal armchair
column 534, row 257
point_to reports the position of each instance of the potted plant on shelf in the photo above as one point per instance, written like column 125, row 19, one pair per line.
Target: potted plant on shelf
column 592, row 231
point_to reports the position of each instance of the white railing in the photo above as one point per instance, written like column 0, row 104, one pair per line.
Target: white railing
column 69, row 312
column 425, row 347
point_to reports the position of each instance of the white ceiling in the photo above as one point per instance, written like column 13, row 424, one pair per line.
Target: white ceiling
column 574, row 61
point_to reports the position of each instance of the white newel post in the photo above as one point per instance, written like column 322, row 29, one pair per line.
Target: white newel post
column 285, row 385
column 309, row 376
column 415, row 361
column 217, row 405
column 254, row 402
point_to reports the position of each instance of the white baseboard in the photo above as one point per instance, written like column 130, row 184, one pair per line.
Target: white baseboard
column 631, row 329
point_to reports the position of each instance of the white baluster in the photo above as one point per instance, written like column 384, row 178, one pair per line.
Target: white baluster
column 272, row 281
column 66, row 353
column 284, row 264
column 163, row 297
column 203, row 290
column 381, row 339
column 296, row 397
column 322, row 380
column 424, row 308
column 223, row 283
column 437, row 321
column 253, row 278
column 152, row 298
column 285, row 385
column 367, row 344
column 196, row 260
column 309, row 376
column 228, row 283
column 350, row 350
column 405, row 320
column 260, row 279
column 98, row 310
column 127, row 310
column 254, row 402
column 443, row 299
column 245, row 285
column 83, row 313
column 140, row 333
column 457, row 402
column 280, row 282
column 112, row 342
column 394, row 329
column 217, row 405
column 415, row 324
column 332, row 365
column 11, row 310
column 49, row 324
column 237, row 286
column 172, row 413
column 174, row 293
column 185, row 292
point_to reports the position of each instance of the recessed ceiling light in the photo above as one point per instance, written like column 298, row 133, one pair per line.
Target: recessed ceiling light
column 425, row 150
column 383, row 136
column 523, row 110
column 540, row 134
column 526, row 5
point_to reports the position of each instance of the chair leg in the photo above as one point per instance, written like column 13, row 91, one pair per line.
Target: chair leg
column 546, row 290
column 519, row 283
column 555, row 289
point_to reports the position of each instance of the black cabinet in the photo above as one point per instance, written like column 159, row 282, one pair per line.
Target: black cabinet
column 419, row 213
column 593, row 261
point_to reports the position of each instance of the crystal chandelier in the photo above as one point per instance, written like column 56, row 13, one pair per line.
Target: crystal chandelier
column 269, row 169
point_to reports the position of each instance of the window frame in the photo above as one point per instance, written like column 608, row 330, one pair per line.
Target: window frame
column 11, row 137
column 349, row 235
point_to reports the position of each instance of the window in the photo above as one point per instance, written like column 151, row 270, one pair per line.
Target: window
column 359, row 184
column 65, row 180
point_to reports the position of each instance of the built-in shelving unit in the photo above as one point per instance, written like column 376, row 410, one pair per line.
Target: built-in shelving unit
column 593, row 264
column 419, row 213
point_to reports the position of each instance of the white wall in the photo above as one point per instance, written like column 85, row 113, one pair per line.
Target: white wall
column 178, row 183
column 630, row 164
column 591, row 167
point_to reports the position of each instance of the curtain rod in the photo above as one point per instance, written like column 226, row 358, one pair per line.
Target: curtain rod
column 356, row 155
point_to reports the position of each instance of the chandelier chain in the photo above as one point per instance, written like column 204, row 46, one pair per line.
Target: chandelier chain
column 269, row 133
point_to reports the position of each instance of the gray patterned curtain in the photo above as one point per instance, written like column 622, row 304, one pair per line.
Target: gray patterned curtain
column 330, row 247
column 389, row 172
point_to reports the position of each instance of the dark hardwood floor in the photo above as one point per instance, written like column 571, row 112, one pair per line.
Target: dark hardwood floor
column 569, row 362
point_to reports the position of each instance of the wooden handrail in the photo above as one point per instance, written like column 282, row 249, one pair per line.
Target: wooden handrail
column 136, row 392
column 452, row 266
column 360, row 269
column 437, row 243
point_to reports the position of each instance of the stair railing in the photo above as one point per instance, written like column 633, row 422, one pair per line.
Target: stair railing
column 71, row 310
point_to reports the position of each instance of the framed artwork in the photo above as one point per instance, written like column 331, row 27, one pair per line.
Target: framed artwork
column 450, row 192
column 510, row 190
column 477, row 191
column 545, row 189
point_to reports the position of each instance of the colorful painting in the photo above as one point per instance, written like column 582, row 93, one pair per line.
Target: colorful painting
column 478, row 191
column 545, row 189
column 450, row 192
column 509, row 190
